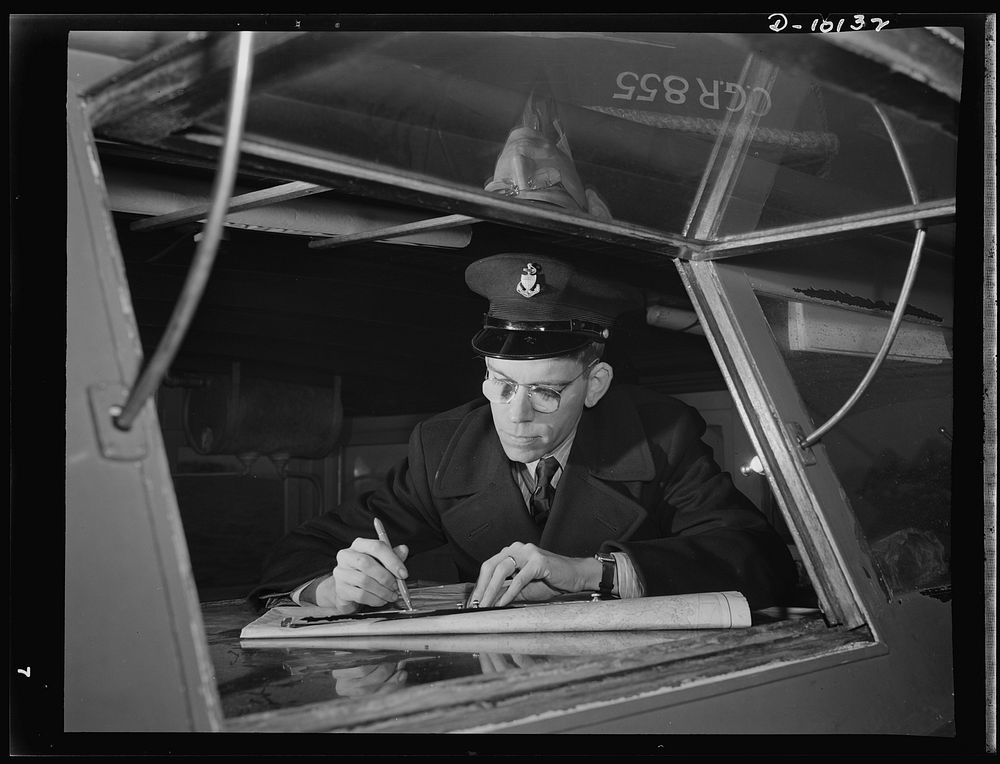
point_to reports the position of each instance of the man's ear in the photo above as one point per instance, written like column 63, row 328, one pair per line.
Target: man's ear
column 598, row 383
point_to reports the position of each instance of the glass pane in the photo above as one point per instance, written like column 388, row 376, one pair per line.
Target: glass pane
column 829, row 308
column 629, row 116
column 821, row 153
column 617, row 127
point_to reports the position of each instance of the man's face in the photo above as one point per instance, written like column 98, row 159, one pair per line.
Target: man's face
column 526, row 434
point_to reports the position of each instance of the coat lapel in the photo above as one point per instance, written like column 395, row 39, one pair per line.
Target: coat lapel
column 594, row 500
column 490, row 511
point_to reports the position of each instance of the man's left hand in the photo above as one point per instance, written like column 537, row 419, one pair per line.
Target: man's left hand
column 538, row 575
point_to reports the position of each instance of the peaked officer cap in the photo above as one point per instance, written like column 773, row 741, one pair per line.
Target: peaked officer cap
column 541, row 307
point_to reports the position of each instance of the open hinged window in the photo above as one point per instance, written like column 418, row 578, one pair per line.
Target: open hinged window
column 765, row 195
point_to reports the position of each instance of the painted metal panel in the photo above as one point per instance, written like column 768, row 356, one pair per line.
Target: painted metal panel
column 906, row 690
column 135, row 652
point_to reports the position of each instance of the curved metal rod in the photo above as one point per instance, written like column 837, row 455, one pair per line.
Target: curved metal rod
column 897, row 147
column 890, row 335
column 904, row 296
column 201, row 266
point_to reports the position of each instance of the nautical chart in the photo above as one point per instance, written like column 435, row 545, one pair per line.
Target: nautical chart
column 441, row 610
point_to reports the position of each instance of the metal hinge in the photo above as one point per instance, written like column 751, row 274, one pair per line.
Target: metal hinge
column 795, row 431
column 106, row 400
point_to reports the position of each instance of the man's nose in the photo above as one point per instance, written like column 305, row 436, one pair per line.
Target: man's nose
column 519, row 409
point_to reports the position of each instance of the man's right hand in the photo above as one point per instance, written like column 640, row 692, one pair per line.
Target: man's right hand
column 365, row 574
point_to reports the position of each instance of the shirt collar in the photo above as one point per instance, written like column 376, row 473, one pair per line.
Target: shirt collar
column 561, row 453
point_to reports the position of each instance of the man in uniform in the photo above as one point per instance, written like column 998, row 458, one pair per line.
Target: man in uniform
column 557, row 481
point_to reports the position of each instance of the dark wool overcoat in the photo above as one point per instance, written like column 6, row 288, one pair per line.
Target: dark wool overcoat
column 639, row 479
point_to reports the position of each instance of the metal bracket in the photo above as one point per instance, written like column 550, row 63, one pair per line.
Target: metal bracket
column 106, row 399
column 796, row 433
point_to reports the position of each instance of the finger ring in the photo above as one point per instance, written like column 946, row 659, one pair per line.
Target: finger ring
column 516, row 566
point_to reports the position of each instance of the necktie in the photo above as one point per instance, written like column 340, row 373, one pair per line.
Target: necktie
column 541, row 497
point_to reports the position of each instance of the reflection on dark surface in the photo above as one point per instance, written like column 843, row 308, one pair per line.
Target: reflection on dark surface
column 260, row 675
column 642, row 113
column 268, row 678
column 256, row 675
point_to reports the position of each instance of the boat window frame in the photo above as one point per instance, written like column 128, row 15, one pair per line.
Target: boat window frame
column 765, row 396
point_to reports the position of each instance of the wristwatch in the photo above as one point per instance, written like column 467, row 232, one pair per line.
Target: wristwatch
column 608, row 565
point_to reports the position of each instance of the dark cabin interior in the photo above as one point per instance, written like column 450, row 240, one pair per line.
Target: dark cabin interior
column 387, row 325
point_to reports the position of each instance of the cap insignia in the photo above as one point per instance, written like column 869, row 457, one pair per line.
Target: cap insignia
column 529, row 286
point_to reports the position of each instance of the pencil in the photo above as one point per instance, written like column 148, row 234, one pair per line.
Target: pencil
column 400, row 583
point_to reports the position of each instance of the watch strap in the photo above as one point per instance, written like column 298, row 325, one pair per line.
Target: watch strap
column 608, row 565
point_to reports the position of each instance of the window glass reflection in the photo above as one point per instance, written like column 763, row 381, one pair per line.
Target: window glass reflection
column 892, row 451
column 823, row 153
column 614, row 127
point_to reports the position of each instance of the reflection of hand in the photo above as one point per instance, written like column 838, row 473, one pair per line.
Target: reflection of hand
column 365, row 575
column 494, row 663
column 368, row 680
column 538, row 575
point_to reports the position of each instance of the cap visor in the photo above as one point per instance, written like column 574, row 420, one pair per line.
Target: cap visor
column 526, row 346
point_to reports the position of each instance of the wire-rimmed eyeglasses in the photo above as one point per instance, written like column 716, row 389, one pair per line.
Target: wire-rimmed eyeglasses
column 544, row 398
